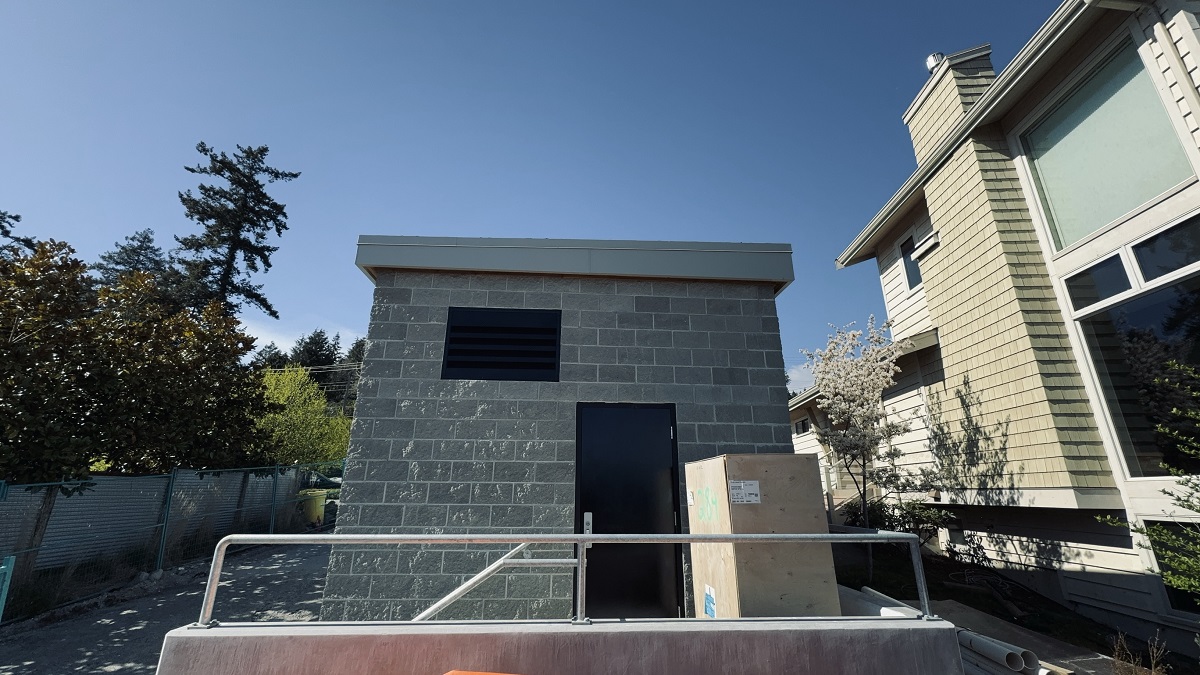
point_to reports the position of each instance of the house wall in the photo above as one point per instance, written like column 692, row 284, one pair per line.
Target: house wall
column 1005, row 339
column 434, row 456
column 907, row 308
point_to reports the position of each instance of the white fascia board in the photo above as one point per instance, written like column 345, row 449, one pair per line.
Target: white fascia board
column 706, row 261
column 1059, row 31
column 804, row 398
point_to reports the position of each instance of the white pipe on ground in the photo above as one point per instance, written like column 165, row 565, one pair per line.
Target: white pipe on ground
column 1015, row 658
column 985, row 664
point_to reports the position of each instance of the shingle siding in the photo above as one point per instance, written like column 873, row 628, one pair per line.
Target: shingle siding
column 1006, row 336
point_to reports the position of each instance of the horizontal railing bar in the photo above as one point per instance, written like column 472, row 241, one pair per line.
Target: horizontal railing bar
column 541, row 562
column 376, row 539
column 860, row 536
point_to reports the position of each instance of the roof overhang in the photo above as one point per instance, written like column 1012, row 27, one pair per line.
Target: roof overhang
column 804, row 398
column 922, row 340
column 680, row 260
column 1061, row 30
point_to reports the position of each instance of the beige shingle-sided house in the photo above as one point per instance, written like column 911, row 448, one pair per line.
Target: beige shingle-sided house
column 1044, row 260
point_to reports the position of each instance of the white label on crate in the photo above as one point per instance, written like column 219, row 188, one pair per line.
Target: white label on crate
column 744, row 492
column 691, row 498
column 710, row 602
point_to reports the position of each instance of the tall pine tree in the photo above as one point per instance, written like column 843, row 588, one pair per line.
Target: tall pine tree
column 138, row 253
column 7, row 220
column 237, row 218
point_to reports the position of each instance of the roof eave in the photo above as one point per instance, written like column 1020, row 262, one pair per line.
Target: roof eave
column 986, row 109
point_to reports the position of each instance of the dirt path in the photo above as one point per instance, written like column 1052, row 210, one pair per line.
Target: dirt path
column 273, row 583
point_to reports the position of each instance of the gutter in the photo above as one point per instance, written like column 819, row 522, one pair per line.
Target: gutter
column 1064, row 18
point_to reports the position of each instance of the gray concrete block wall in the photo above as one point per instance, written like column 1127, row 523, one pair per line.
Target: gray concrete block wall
column 455, row 456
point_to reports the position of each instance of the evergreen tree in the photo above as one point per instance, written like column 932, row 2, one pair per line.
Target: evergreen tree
column 316, row 350
column 271, row 357
column 237, row 218
column 137, row 254
column 7, row 220
column 344, row 388
column 319, row 353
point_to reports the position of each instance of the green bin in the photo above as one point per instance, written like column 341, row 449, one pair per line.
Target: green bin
column 312, row 505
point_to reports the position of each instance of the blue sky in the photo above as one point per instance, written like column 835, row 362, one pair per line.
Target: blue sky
column 692, row 120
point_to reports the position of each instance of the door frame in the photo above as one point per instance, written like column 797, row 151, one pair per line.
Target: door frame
column 675, row 493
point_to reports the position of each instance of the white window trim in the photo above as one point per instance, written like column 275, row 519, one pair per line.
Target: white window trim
column 1147, row 220
column 911, row 233
column 1129, row 31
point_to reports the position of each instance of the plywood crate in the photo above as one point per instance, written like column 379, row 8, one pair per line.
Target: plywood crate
column 759, row 494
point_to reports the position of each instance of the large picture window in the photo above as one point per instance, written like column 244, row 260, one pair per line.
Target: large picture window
column 1105, row 150
column 1137, row 348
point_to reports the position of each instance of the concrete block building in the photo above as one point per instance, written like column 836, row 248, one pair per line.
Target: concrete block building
column 515, row 385
column 1043, row 260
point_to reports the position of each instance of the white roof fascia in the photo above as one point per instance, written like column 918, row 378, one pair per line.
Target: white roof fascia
column 1061, row 22
column 709, row 261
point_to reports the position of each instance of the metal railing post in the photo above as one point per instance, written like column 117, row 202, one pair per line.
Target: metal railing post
column 914, row 548
column 6, row 569
column 581, row 585
column 166, row 521
column 274, row 497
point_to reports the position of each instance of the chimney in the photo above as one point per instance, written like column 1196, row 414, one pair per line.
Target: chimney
column 955, row 83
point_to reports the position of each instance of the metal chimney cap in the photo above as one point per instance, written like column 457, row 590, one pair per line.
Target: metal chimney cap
column 933, row 61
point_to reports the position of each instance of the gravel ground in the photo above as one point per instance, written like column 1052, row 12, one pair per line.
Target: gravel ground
column 124, row 634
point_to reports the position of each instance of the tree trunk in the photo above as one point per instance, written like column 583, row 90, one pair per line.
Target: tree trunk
column 867, row 523
column 23, row 569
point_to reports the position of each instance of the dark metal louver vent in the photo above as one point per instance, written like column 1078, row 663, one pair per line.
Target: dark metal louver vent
column 502, row 344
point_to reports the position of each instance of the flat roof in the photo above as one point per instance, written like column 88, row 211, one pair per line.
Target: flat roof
column 696, row 260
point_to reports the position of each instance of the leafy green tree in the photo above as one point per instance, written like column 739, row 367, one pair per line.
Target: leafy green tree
column 113, row 375
column 237, row 218
column 48, row 425
column 7, row 221
column 47, row 382
column 300, row 428
column 180, row 394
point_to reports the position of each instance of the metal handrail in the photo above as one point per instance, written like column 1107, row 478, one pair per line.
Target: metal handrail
column 846, row 535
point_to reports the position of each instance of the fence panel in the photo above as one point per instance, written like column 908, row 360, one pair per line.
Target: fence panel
column 105, row 535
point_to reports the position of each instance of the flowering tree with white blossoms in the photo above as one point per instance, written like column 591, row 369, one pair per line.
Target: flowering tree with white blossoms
column 851, row 377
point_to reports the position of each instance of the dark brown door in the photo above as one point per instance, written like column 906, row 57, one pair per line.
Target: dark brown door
column 627, row 479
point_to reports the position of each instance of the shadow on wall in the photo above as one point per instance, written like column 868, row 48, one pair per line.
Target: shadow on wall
column 972, row 460
column 978, row 480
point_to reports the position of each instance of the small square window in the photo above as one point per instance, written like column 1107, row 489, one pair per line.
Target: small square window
column 803, row 426
column 1098, row 282
column 912, row 271
column 1174, row 249
column 502, row 344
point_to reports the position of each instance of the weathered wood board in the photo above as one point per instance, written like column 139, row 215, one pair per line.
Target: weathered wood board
column 747, row 494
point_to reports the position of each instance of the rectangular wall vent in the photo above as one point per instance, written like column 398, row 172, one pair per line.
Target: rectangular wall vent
column 502, row 344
